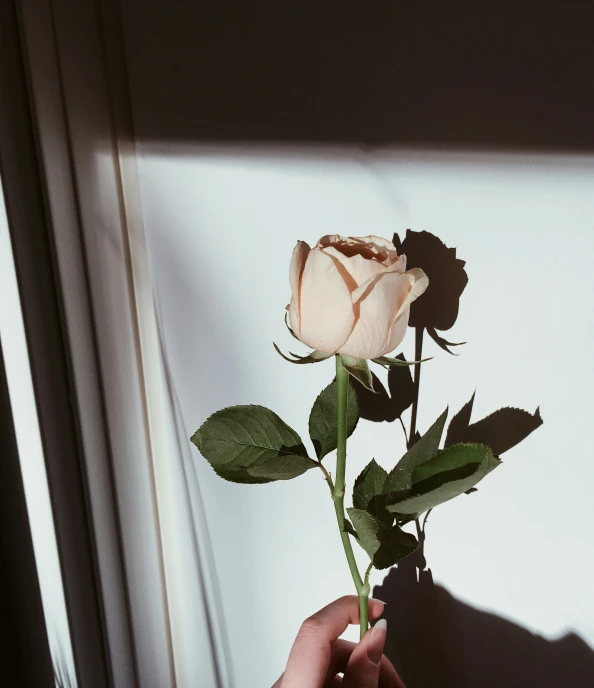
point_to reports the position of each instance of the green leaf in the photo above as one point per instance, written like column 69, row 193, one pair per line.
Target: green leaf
column 238, row 439
column 323, row 419
column 369, row 483
column 282, row 467
column 386, row 361
column 445, row 461
column 289, row 327
column 377, row 508
column 400, row 478
column 367, row 493
column 450, row 473
column 312, row 357
column 385, row 546
column 358, row 368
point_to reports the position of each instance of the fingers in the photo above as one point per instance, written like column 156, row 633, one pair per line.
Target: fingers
column 389, row 676
column 365, row 668
column 341, row 653
column 311, row 654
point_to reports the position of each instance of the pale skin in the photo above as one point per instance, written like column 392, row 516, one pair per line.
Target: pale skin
column 319, row 657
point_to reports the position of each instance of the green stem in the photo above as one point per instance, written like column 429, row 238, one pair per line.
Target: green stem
column 364, row 601
column 338, row 490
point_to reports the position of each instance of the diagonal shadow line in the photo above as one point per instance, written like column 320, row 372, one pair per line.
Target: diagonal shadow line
column 220, row 650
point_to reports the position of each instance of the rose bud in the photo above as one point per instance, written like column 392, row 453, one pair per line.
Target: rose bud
column 352, row 295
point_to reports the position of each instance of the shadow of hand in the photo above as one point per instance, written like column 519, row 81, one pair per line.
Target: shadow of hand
column 436, row 641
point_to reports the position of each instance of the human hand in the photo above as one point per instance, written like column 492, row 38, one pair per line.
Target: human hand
column 318, row 656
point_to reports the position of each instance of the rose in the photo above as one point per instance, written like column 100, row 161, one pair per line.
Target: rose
column 352, row 295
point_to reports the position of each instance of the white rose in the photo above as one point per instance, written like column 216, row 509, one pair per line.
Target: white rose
column 351, row 295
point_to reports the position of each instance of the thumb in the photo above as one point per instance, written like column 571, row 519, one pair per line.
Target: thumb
column 363, row 669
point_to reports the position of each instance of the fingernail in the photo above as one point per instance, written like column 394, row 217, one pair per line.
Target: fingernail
column 374, row 599
column 377, row 640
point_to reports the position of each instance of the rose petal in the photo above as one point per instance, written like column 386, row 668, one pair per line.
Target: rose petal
column 385, row 250
column 352, row 246
column 363, row 289
column 398, row 331
column 359, row 268
column 395, row 259
column 363, row 269
column 398, row 264
column 377, row 301
column 298, row 259
column 370, row 247
column 327, row 315
column 340, row 263
column 420, row 282
column 330, row 239
column 378, row 241
column 333, row 239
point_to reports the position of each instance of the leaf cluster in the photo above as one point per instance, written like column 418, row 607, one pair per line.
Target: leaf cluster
column 252, row 444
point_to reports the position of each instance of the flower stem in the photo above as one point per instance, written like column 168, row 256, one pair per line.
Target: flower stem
column 338, row 490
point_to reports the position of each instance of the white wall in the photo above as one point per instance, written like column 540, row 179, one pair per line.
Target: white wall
column 221, row 224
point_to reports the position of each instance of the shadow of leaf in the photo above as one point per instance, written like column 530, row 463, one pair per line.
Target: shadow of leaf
column 501, row 430
column 381, row 406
